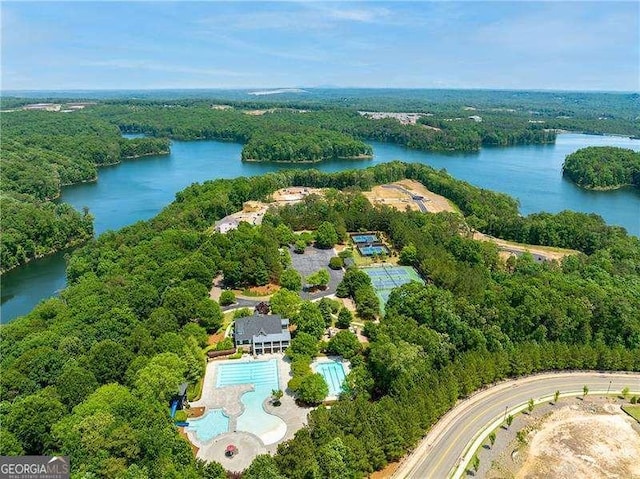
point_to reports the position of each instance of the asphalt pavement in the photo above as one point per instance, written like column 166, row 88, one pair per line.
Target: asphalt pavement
column 442, row 449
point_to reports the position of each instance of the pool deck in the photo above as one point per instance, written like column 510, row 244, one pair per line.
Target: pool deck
column 228, row 399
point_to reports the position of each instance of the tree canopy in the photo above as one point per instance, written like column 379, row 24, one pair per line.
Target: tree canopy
column 603, row 167
column 88, row 374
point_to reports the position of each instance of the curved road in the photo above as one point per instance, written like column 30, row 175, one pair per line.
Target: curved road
column 440, row 451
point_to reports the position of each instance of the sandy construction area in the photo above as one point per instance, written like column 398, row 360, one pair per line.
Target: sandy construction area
column 594, row 442
column 294, row 194
column 509, row 247
column 399, row 195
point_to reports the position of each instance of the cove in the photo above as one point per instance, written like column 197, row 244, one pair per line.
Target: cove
column 137, row 190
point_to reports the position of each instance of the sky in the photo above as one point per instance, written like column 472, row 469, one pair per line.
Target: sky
column 558, row 45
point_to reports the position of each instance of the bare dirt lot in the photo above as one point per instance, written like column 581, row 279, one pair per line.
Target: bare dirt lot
column 509, row 247
column 294, row 194
column 581, row 440
column 399, row 195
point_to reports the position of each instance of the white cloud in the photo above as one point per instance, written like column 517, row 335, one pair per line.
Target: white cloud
column 297, row 16
column 362, row 15
column 161, row 67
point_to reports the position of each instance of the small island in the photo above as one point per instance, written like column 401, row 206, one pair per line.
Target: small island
column 304, row 147
column 603, row 168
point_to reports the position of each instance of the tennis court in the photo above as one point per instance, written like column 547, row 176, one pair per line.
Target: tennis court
column 373, row 250
column 369, row 239
column 384, row 278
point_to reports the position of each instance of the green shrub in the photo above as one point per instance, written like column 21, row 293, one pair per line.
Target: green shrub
column 226, row 343
column 344, row 344
column 336, row 262
column 312, row 389
column 242, row 313
column 227, row 297
column 294, row 383
column 347, row 253
column 301, row 365
column 299, row 246
column 290, row 279
column 303, row 345
column 344, row 318
column 307, row 237
column 181, row 416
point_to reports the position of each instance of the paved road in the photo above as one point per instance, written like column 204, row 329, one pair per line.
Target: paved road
column 438, row 454
column 420, row 203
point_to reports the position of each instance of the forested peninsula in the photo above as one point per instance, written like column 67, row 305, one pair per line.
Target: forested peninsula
column 300, row 147
column 90, row 374
column 603, row 168
column 41, row 153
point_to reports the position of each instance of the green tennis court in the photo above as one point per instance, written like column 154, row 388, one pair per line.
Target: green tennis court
column 385, row 278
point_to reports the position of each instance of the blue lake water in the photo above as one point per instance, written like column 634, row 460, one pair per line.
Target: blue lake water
column 138, row 189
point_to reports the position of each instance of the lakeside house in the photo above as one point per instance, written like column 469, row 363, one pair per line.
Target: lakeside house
column 261, row 334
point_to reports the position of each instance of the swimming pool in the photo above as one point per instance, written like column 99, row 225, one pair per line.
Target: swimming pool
column 333, row 373
column 213, row 423
column 264, row 377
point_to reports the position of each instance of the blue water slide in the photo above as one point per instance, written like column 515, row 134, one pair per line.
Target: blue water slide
column 174, row 407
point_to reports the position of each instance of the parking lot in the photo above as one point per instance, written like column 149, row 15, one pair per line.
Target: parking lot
column 311, row 261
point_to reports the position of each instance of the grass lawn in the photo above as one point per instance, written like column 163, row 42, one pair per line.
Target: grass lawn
column 633, row 411
column 194, row 391
column 369, row 260
column 227, row 320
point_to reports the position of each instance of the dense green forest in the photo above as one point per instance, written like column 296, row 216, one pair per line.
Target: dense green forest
column 203, row 122
column 494, row 129
column 590, row 112
column 314, row 146
column 603, row 167
column 41, row 153
column 89, row 374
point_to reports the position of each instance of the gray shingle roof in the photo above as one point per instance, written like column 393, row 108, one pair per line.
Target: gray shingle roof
column 271, row 327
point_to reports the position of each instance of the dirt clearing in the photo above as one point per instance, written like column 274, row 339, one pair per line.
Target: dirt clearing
column 508, row 248
column 409, row 194
column 594, row 440
column 294, row 194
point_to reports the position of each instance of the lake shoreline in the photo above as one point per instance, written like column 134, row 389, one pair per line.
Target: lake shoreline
column 137, row 190
column 604, row 188
column 68, row 246
column 322, row 160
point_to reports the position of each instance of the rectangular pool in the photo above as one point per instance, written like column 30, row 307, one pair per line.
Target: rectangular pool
column 333, row 373
column 262, row 374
